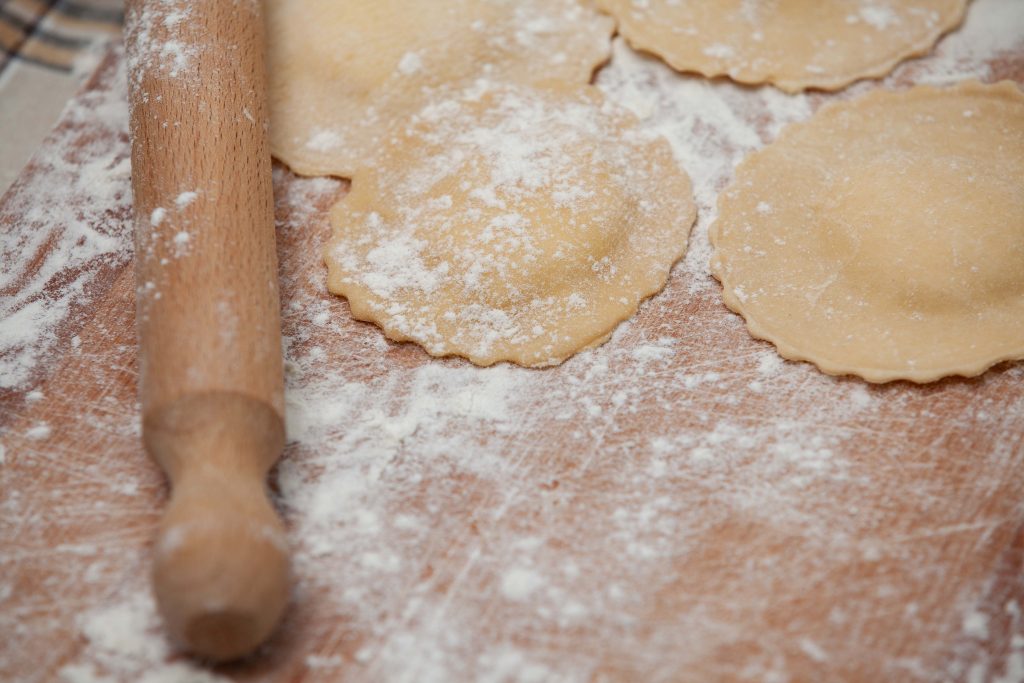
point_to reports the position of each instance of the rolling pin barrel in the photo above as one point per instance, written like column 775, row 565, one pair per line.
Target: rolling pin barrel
column 211, row 379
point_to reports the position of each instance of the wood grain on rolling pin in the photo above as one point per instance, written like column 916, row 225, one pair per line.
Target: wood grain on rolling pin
column 210, row 368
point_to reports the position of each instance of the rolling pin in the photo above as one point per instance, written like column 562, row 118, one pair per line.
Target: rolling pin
column 210, row 359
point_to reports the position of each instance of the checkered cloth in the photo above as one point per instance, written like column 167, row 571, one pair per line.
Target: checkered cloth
column 48, row 48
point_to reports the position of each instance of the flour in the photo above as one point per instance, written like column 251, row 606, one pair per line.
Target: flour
column 39, row 432
column 1014, row 669
column 71, row 214
column 813, row 650
column 324, row 140
column 518, row 583
column 150, row 30
column 877, row 17
column 185, row 198
column 976, row 625
column 124, row 629
column 125, row 640
column 456, row 523
column 181, row 241
column 410, row 63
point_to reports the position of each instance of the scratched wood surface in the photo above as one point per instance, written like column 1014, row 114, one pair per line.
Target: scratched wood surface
column 677, row 505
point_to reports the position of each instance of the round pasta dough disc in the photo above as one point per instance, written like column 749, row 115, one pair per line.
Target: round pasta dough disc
column 793, row 44
column 884, row 237
column 510, row 223
column 341, row 71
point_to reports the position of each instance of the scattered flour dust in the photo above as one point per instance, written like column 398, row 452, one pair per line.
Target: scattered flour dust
column 39, row 432
column 150, row 30
column 185, row 199
column 410, row 64
column 518, row 583
column 391, row 455
column 324, row 140
column 875, row 16
column 69, row 223
column 125, row 643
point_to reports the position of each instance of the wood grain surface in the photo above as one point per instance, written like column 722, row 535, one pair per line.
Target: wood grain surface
column 677, row 505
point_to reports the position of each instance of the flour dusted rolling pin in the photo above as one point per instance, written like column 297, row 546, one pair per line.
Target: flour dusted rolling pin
column 209, row 331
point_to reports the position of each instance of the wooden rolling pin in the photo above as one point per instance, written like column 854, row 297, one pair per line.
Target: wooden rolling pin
column 210, row 366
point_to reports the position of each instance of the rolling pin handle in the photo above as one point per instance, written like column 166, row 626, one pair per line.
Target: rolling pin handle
column 220, row 570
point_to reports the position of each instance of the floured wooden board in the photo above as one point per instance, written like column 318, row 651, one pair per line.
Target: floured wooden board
column 677, row 505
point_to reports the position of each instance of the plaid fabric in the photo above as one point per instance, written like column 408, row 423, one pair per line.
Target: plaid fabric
column 46, row 48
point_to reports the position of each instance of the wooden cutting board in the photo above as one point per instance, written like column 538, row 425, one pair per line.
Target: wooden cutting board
column 677, row 505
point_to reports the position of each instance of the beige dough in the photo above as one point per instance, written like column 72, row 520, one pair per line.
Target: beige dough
column 342, row 70
column 510, row 223
column 794, row 44
column 885, row 237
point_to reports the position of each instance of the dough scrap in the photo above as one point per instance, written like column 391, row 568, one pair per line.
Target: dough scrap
column 793, row 44
column 884, row 237
column 510, row 223
column 341, row 70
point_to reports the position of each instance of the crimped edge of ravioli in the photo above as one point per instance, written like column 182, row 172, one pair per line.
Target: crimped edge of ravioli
column 828, row 366
column 824, row 82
